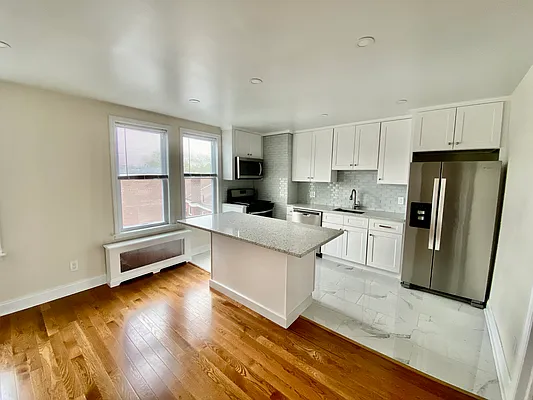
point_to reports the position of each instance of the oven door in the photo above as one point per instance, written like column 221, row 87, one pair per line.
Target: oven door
column 248, row 168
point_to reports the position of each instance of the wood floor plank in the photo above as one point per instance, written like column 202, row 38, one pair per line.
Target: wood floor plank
column 67, row 372
column 121, row 358
column 169, row 336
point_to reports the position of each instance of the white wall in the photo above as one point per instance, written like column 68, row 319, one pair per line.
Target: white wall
column 513, row 275
column 55, row 185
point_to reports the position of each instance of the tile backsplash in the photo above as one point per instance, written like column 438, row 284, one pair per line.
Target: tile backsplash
column 371, row 195
column 277, row 185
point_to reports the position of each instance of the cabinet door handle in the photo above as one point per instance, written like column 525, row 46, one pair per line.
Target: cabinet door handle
column 457, row 142
column 450, row 143
column 385, row 226
column 370, row 234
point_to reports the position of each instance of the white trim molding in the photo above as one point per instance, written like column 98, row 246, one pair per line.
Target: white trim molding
column 461, row 104
column 165, row 131
column 113, row 252
column 218, row 142
column 35, row 299
column 502, row 369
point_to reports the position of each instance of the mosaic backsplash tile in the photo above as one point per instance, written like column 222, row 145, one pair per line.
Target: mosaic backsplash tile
column 277, row 185
column 371, row 195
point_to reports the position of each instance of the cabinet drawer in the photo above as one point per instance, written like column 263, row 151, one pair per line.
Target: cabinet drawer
column 332, row 218
column 386, row 226
column 356, row 222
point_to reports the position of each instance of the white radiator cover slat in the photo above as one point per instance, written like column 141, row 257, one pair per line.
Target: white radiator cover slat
column 115, row 276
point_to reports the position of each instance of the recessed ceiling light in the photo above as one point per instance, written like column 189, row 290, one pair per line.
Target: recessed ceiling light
column 256, row 81
column 401, row 101
column 194, row 101
column 366, row 41
column 324, row 115
column 4, row 45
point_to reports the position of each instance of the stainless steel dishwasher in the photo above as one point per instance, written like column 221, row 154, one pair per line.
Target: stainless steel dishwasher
column 308, row 217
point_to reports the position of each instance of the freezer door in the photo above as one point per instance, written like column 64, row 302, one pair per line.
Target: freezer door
column 424, row 181
column 466, row 222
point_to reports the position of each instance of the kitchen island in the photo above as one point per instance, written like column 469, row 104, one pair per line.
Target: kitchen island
column 266, row 264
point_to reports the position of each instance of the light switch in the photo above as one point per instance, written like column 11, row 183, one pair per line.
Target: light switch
column 401, row 200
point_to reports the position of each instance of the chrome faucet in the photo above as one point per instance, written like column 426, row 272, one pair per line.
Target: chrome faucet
column 353, row 197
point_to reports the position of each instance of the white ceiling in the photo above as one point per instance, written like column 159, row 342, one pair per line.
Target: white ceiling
column 156, row 54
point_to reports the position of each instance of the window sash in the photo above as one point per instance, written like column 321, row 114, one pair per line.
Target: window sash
column 140, row 177
column 117, row 198
column 214, row 154
column 166, row 210
column 215, row 157
column 215, row 189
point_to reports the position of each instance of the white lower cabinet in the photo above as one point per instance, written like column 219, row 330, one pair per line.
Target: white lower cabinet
column 335, row 248
column 379, row 247
column 355, row 241
column 384, row 250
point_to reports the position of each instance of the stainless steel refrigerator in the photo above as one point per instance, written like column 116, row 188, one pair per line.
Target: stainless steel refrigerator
column 452, row 221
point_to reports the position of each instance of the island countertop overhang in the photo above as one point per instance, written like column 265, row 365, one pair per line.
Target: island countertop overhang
column 287, row 237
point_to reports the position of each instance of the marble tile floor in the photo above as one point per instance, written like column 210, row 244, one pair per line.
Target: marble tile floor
column 439, row 336
column 203, row 260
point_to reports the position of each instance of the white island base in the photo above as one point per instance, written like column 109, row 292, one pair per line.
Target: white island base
column 276, row 285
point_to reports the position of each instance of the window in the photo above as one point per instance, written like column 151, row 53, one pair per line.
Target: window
column 140, row 187
column 200, row 174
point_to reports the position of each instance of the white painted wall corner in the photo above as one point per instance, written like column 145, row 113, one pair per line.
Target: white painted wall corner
column 502, row 369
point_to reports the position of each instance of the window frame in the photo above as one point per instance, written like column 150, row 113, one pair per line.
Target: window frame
column 114, row 121
column 218, row 164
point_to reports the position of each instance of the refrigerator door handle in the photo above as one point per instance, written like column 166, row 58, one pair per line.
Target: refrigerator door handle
column 434, row 200
column 440, row 214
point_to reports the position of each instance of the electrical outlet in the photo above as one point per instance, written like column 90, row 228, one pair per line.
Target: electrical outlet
column 312, row 194
column 74, row 265
column 401, row 200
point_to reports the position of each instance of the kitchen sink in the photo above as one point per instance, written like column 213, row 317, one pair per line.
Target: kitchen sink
column 348, row 210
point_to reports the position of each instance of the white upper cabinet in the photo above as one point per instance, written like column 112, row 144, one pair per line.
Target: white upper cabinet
column 302, row 156
column 367, row 146
column 394, row 152
column 356, row 147
column 256, row 146
column 248, row 145
column 479, row 126
column 433, row 130
column 238, row 143
column 471, row 127
column 312, row 156
column 344, row 148
column 323, row 148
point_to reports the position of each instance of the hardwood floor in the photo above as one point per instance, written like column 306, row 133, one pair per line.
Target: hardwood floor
column 168, row 336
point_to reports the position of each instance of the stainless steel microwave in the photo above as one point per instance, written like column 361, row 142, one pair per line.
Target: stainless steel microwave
column 248, row 168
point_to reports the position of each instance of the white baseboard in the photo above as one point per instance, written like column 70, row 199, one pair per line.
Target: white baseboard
column 200, row 249
column 265, row 312
column 22, row 303
column 502, row 369
column 298, row 310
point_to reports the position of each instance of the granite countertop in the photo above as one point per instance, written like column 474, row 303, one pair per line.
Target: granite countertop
column 389, row 216
column 275, row 234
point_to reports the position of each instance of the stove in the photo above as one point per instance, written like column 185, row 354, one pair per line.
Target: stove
column 248, row 199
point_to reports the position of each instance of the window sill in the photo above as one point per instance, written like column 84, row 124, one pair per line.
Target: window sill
column 139, row 233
